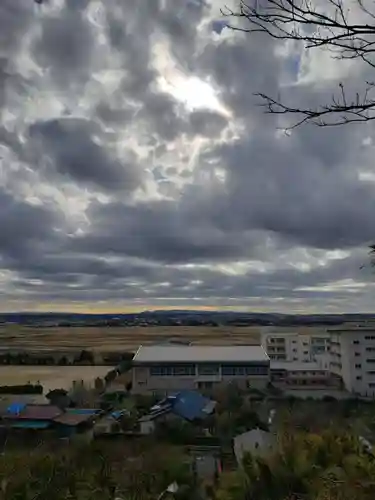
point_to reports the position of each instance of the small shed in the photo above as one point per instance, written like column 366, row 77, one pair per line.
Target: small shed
column 71, row 423
column 256, row 442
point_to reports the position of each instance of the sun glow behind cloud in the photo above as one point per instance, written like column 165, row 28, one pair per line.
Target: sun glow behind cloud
column 193, row 92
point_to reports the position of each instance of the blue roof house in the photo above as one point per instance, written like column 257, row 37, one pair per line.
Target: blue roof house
column 191, row 405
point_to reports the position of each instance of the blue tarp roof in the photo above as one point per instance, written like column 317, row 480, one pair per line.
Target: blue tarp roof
column 16, row 408
column 192, row 405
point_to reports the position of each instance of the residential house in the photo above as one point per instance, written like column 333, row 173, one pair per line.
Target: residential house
column 188, row 405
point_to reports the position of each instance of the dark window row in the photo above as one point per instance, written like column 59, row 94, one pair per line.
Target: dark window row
column 173, row 370
column 237, row 370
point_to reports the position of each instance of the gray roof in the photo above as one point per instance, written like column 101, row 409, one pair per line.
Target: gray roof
column 200, row 354
column 296, row 366
column 256, row 442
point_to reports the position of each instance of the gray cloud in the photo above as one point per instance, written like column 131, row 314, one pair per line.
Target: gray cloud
column 25, row 229
column 181, row 205
column 66, row 46
column 70, row 144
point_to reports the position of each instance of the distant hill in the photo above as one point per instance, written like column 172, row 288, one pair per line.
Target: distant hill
column 179, row 317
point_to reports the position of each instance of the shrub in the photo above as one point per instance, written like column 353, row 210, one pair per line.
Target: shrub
column 21, row 389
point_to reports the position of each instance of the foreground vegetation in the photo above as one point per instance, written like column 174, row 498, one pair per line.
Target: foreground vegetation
column 134, row 471
column 331, row 465
column 304, row 466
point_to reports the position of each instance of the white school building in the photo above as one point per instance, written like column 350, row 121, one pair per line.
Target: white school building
column 170, row 368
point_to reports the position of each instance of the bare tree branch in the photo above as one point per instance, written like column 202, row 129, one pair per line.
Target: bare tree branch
column 331, row 29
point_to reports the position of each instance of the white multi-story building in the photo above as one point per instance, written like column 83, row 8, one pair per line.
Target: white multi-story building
column 170, row 368
column 293, row 374
column 297, row 347
column 353, row 358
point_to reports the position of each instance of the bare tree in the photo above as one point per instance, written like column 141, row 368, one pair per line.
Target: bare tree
column 333, row 28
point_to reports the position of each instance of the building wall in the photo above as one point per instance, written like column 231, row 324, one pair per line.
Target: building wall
column 353, row 358
column 144, row 382
column 299, row 375
column 293, row 346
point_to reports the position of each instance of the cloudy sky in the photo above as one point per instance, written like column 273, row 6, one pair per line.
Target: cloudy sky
column 137, row 171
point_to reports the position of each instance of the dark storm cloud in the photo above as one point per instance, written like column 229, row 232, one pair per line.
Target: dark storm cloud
column 15, row 19
column 239, row 67
column 25, row 229
column 207, row 123
column 70, row 144
column 162, row 115
column 272, row 185
column 66, row 45
column 159, row 231
column 127, row 280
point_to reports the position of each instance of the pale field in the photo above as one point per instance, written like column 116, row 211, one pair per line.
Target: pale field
column 51, row 377
column 104, row 339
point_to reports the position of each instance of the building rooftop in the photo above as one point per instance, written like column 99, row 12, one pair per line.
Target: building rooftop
column 191, row 405
column 256, row 441
column 73, row 419
column 352, row 328
column 35, row 412
column 199, row 354
column 295, row 366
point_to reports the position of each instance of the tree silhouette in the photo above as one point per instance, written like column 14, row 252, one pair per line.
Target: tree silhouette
column 348, row 33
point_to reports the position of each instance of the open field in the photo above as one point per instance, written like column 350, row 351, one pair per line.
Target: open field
column 104, row 339
column 51, row 377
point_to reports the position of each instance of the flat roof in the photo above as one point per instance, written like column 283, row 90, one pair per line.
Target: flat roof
column 73, row 419
column 200, row 354
column 36, row 412
column 296, row 366
column 352, row 329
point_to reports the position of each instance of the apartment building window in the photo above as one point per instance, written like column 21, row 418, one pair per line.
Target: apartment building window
column 305, row 353
column 355, row 341
column 370, row 337
column 356, row 354
column 358, row 377
column 305, row 344
column 371, row 372
column 370, row 360
column 358, row 365
column 371, row 384
column 370, row 349
column 294, row 350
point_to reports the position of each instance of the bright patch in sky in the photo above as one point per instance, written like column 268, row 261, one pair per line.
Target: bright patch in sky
column 193, row 92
